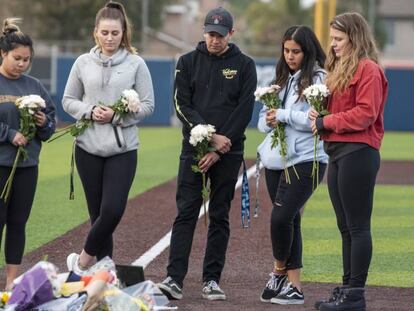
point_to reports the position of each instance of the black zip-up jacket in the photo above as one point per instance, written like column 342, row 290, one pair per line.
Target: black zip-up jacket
column 216, row 90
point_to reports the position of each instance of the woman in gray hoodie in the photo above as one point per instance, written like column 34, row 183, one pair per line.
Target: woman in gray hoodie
column 106, row 153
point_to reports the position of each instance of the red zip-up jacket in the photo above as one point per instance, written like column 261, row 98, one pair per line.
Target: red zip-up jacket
column 357, row 114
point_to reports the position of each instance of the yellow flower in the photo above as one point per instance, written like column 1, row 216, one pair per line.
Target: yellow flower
column 4, row 297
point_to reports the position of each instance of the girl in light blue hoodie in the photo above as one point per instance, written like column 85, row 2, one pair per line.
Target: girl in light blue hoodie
column 300, row 67
column 106, row 153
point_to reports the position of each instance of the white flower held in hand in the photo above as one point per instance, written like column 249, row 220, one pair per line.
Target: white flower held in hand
column 261, row 91
column 201, row 132
column 132, row 99
column 314, row 91
column 31, row 102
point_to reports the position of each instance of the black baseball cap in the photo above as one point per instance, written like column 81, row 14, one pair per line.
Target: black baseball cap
column 218, row 20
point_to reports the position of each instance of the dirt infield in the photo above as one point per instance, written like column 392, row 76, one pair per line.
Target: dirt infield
column 149, row 217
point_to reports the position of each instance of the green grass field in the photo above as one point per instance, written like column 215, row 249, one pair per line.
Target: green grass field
column 393, row 219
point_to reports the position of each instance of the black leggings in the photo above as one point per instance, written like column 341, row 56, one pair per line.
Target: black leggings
column 15, row 213
column 351, row 182
column 287, row 200
column 106, row 182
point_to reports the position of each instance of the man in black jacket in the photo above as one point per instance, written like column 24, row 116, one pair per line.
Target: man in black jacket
column 214, row 84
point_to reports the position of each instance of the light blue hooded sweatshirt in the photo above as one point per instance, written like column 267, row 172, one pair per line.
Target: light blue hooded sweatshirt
column 299, row 138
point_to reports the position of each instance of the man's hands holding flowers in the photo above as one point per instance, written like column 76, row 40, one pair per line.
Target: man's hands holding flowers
column 220, row 143
column 208, row 161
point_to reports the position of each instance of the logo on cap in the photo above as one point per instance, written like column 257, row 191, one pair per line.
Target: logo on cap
column 218, row 20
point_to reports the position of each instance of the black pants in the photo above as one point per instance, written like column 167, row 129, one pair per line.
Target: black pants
column 106, row 182
column 15, row 213
column 351, row 182
column 288, row 199
column 223, row 178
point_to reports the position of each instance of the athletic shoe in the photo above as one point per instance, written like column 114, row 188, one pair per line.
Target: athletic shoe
column 336, row 293
column 350, row 299
column 171, row 289
column 212, row 291
column 273, row 286
column 72, row 261
column 289, row 295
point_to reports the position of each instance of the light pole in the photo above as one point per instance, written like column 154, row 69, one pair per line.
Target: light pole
column 144, row 25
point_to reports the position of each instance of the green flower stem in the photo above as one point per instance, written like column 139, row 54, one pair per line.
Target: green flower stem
column 205, row 193
column 283, row 151
column 61, row 132
column 315, row 164
column 5, row 194
column 296, row 173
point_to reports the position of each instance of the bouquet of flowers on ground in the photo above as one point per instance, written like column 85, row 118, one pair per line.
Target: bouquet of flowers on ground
column 269, row 97
column 316, row 95
column 129, row 102
column 200, row 137
column 28, row 106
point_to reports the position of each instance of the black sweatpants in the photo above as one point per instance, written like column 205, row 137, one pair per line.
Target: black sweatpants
column 288, row 199
column 106, row 182
column 223, row 177
column 351, row 182
column 15, row 213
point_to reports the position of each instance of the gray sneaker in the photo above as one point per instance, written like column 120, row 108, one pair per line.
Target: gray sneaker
column 212, row 291
column 171, row 289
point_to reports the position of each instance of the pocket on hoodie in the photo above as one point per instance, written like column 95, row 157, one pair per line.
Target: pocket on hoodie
column 301, row 147
column 119, row 137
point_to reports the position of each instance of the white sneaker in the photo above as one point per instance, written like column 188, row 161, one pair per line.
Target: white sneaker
column 72, row 261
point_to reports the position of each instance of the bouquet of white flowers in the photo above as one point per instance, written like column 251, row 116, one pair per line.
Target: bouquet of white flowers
column 28, row 106
column 129, row 102
column 316, row 95
column 269, row 97
column 200, row 137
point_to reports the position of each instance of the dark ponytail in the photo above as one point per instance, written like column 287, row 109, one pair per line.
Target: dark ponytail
column 12, row 37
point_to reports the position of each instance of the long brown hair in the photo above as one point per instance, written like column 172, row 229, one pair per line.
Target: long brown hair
column 313, row 57
column 116, row 11
column 361, row 45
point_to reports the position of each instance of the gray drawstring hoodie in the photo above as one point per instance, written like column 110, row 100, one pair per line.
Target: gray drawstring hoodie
column 96, row 79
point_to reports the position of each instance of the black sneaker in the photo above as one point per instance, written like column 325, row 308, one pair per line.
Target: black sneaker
column 212, row 291
column 336, row 293
column 273, row 286
column 171, row 289
column 289, row 295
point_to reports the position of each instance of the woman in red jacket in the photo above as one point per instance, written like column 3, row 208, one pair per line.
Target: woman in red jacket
column 352, row 133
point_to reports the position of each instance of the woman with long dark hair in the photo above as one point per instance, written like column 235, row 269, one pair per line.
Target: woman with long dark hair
column 300, row 66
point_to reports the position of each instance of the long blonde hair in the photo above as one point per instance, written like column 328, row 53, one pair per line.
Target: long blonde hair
column 361, row 45
column 115, row 10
